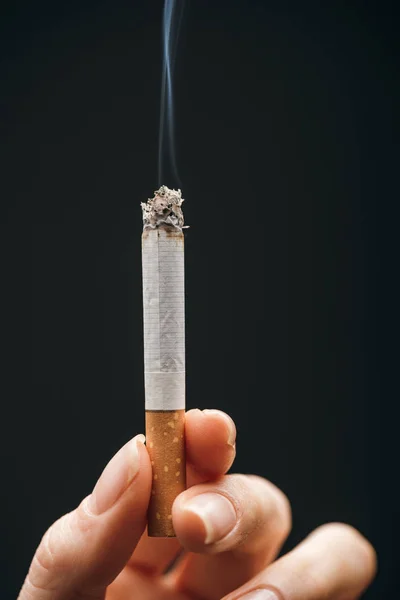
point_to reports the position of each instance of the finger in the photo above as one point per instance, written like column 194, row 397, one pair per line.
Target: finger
column 210, row 450
column 210, row 444
column 87, row 548
column 236, row 526
column 334, row 563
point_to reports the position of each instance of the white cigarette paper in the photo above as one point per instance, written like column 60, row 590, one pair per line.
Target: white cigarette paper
column 164, row 301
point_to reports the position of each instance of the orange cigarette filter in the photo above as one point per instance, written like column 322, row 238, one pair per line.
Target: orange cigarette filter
column 166, row 446
column 164, row 353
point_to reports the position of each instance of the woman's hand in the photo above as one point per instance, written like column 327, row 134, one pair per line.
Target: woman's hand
column 229, row 528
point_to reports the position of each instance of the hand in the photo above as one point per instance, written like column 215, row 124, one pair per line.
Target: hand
column 229, row 531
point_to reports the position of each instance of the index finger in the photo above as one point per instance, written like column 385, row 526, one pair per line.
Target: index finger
column 83, row 552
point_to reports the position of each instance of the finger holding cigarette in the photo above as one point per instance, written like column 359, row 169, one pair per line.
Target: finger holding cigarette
column 93, row 551
column 96, row 546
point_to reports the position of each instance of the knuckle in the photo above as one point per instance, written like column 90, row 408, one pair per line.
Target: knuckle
column 353, row 539
column 56, row 552
column 274, row 504
column 49, row 562
column 32, row 588
column 59, row 552
column 44, row 556
column 48, row 553
column 51, row 554
column 270, row 513
column 339, row 531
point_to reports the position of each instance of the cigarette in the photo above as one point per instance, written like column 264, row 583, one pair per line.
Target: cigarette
column 164, row 353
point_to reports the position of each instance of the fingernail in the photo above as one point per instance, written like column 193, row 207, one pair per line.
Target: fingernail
column 259, row 595
column 116, row 477
column 231, row 425
column 217, row 514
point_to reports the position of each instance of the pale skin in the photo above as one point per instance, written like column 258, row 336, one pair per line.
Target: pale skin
column 230, row 529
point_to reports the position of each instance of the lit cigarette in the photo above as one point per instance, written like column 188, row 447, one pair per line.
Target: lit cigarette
column 164, row 352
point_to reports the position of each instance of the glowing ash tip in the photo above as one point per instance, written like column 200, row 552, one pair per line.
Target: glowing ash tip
column 163, row 209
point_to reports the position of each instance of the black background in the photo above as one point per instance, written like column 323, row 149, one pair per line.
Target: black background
column 285, row 144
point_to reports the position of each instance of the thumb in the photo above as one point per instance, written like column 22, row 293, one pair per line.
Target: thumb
column 85, row 550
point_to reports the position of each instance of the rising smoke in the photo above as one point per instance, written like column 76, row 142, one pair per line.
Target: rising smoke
column 167, row 163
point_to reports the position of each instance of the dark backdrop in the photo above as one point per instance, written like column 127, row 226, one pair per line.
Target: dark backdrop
column 284, row 141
